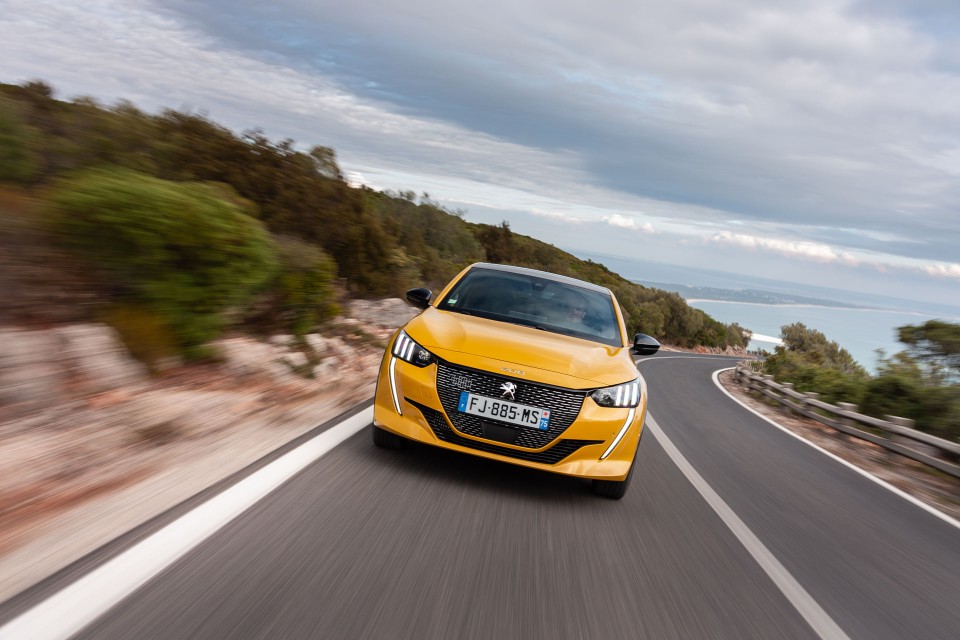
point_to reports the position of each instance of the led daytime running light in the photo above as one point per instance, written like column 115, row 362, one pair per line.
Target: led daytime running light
column 626, row 395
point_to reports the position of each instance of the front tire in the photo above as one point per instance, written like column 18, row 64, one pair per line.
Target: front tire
column 613, row 489
column 385, row 439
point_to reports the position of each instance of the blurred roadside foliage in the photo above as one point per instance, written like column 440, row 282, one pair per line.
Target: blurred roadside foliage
column 18, row 163
column 300, row 293
column 183, row 168
column 919, row 383
column 176, row 249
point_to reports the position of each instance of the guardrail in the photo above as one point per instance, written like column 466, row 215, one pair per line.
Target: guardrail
column 898, row 436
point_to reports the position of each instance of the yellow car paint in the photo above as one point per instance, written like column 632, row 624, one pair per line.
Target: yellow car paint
column 525, row 354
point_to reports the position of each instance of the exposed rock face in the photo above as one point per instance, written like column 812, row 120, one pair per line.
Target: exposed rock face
column 29, row 373
column 38, row 368
column 97, row 358
column 391, row 312
column 247, row 359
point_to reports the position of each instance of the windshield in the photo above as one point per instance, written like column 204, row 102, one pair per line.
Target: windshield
column 536, row 302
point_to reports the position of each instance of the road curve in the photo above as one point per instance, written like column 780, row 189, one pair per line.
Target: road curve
column 424, row 543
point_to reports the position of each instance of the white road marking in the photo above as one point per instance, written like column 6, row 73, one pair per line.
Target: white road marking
column 866, row 474
column 822, row 624
column 68, row 611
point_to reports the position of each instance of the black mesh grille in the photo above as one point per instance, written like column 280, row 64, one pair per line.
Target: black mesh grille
column 553, row 455
column 564, row 405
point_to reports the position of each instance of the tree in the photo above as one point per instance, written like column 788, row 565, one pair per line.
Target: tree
column 497, row 241
column 325, row 162
column 935, row 343
column 816, row 349
column 18, row 161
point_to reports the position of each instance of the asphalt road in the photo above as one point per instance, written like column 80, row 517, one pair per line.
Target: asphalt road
column 423, row 543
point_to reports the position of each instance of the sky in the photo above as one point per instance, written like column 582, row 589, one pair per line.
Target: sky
column 816, row 142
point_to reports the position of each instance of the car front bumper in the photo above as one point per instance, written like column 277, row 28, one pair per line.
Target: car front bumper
column 600, row 443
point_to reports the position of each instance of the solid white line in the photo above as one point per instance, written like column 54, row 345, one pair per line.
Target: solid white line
column 77, row 605
column 822, row 624
column 866, row 474
column 699, row 356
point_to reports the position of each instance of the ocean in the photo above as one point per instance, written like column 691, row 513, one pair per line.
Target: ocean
column 859, row 331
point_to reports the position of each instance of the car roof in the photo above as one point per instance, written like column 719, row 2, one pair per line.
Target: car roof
column 546, row 275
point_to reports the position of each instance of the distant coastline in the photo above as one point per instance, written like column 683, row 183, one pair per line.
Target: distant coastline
column 747, row 296
column 805, row 305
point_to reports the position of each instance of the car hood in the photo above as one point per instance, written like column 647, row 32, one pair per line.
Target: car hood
column 542, row 356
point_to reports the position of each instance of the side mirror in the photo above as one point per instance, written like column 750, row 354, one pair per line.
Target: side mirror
column 420, row 297
column 644, row 345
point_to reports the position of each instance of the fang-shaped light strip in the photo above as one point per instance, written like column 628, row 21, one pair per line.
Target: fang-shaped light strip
column 393, row 382
column 623, row 431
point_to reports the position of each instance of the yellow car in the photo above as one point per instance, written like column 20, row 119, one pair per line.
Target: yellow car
column 521, row 366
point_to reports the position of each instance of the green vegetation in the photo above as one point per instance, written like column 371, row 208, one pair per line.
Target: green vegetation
column 919, row 383
column 178, row 249
column 190, row 227
column 300, row 294
column 17, row 163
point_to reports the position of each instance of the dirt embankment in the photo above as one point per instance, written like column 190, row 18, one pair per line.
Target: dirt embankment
column 93, row 445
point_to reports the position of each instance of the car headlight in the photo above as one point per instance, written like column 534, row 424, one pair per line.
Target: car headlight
column 621, row 395
column 406, row 349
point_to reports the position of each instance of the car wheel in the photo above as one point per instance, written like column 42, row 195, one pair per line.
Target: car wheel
column 385, row 439
column 613, row 489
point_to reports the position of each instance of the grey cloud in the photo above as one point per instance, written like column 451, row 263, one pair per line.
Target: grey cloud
column 789, row 115
column 812, row 119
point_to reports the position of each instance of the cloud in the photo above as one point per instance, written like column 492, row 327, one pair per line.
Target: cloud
column 356, row 179
column 824, row 254
column 943, row 270
column 556, row 215
column 806, row 250
column 627, row 222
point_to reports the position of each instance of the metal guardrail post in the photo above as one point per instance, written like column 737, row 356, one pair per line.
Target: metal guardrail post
column 933, row 452
column 852, row 408
column 805, row 401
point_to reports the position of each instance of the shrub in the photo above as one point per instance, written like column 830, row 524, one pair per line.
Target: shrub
column 303, row 285
column 178, row 249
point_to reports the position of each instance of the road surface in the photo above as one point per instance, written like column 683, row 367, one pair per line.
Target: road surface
column 731, row 529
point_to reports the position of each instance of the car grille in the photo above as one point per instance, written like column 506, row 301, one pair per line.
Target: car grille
column 553, row 455
column 564, row 405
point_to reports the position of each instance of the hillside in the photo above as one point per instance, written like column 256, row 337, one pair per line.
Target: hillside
column 86, row 185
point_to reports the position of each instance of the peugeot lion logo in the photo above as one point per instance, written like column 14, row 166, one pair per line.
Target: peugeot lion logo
column 508, row 390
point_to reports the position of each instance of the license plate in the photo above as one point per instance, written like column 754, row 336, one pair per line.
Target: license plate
column 504, row 411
